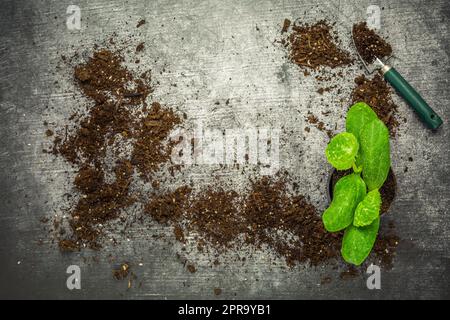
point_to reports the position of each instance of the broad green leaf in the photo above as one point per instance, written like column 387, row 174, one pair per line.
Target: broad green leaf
column 357, row 117
column 368, row 209
column 358, row 242
column 341, row 151
column 347, row 193
column 375, row 154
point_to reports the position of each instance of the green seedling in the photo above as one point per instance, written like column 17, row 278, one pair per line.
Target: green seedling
column 356, row 200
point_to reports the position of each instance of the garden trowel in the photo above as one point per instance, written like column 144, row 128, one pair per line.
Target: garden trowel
column 411, row 96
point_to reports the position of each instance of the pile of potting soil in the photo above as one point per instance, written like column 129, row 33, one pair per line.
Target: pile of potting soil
column 314, row 46
column 369, row 44
column 119, row 119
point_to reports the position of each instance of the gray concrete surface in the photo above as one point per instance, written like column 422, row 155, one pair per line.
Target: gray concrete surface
column 227, row 52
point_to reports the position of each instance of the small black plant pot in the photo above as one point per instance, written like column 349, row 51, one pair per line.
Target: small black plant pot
column 388, row 190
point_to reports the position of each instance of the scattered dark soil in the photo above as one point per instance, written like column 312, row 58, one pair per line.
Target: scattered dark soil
column 385, row 248
column 214, row 217
column 314, row 120
column 105, row 121
column 369, row 44
column 217, row 291
column 99, row 201
column 290, row 225
column 68, row 245
column 387, row 191
column 322, row 90
column 377, row 94
column 314, row 46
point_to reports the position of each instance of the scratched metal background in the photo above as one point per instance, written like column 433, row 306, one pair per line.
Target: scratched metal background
column 217, row 50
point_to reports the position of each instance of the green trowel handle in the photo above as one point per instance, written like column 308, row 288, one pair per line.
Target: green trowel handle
column 426, row 114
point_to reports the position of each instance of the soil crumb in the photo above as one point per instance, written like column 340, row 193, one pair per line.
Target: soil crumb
column 286, row 25
column 122, row 271
column 140, row 47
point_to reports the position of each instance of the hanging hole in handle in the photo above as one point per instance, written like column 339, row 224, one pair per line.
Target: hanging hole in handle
column 432, row 116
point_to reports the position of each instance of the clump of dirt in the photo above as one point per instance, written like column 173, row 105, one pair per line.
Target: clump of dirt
column 104, row 122
column 169, row 208
column 68, row 245
column 288, row 224
column 377, row 94
column 286, row 25
column 313, row 46
column 387, row 191
column 191, row 268
column 369, row 44
column 351, row 273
